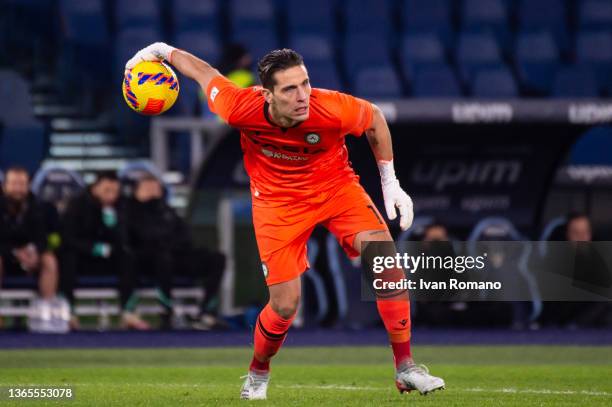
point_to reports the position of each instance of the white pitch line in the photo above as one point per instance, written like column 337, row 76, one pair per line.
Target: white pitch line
column 467, row 390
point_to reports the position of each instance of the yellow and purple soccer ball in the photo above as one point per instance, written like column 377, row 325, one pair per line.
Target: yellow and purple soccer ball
column 150, row 88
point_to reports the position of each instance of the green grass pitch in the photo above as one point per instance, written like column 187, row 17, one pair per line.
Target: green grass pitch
column 318, row 376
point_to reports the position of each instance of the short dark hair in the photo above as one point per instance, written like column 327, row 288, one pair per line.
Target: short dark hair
column 274, row 61
column 106, row 175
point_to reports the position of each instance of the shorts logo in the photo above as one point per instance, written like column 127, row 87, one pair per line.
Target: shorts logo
column 312, row 138
column 264, row 267
column 213, row 93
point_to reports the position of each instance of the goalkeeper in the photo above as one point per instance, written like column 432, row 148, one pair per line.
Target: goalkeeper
column 292, row 137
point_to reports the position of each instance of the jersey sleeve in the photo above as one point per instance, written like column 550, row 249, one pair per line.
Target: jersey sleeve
column 355, row 114
column 228, row 100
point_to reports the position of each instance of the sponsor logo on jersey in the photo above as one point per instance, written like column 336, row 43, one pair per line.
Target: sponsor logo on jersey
column 312, row 138
column 213, row 93
column 284, row 152
column 264, row 267
column 282, row 156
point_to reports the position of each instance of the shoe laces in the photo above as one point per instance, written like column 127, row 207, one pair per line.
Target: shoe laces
column 255, row 379
column 418, row 369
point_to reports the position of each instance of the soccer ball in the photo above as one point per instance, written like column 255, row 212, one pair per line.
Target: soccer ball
column 150, row 88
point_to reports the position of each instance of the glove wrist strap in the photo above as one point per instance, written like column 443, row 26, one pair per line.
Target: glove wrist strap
column 387, row 172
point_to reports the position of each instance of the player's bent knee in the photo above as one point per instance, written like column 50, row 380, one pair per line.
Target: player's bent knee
column 286, row 307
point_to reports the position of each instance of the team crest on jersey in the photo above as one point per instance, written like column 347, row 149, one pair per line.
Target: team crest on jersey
column 264, row 267
column 312, row 138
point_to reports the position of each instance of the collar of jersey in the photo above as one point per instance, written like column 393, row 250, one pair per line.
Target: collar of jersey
column 266, row 106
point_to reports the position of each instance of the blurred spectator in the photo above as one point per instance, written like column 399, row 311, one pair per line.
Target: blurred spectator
column 162, row 247
column 150, row 225
column 436, row 242
column 578, row 228
column 236, row 64
column 435, row 232
column 587, row 270
column 23, row 234
column 95, row 236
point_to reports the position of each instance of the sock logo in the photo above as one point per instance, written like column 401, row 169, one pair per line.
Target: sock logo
column 403, row 322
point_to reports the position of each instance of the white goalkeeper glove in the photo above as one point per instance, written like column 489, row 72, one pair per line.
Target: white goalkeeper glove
column 394, row 195
column 155, row 52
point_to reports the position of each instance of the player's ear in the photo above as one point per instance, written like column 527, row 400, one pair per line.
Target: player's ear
column 267, row 94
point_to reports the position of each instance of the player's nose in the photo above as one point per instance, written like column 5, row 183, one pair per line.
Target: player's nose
column 302, row 94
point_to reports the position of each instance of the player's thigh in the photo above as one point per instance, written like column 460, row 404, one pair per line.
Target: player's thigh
column 351, row 213
column 371, row 236
column 282, row 234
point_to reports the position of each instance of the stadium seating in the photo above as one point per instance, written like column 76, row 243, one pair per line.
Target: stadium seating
column 22, row 135
column 436, row 82
column 553, row 231
column 201, row 43
column 421, row 52
column 494, row 83
column 545, row 15
column 486, row 16
column 312, row 277
column 576, row 82
column 57, row 185
column 594, row 49
column 537, row 58
column 354, row 57
column 476, row 52
column 364, row 16
column 428, row 16
column 248, row 14
column 85, row 21
column 323, row 74
column 312, row 17
column 378, row 82
column 498, row 230
column 595, row 14
column 259, row 41
column 138, row 13
column 313, row 47
column 129, row 41
column 353, row 311
column 201, row 15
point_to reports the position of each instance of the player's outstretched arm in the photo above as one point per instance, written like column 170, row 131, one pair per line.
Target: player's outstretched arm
column 395, row 198
column 186, row 63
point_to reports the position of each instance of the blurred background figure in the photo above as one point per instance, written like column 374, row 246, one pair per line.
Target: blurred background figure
column 150, row 230
column 23, row 234
column 95, row 237
column 578, row 228
column 237, row 65
column 435, row 232
column 163, row 248
column 589, row 269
